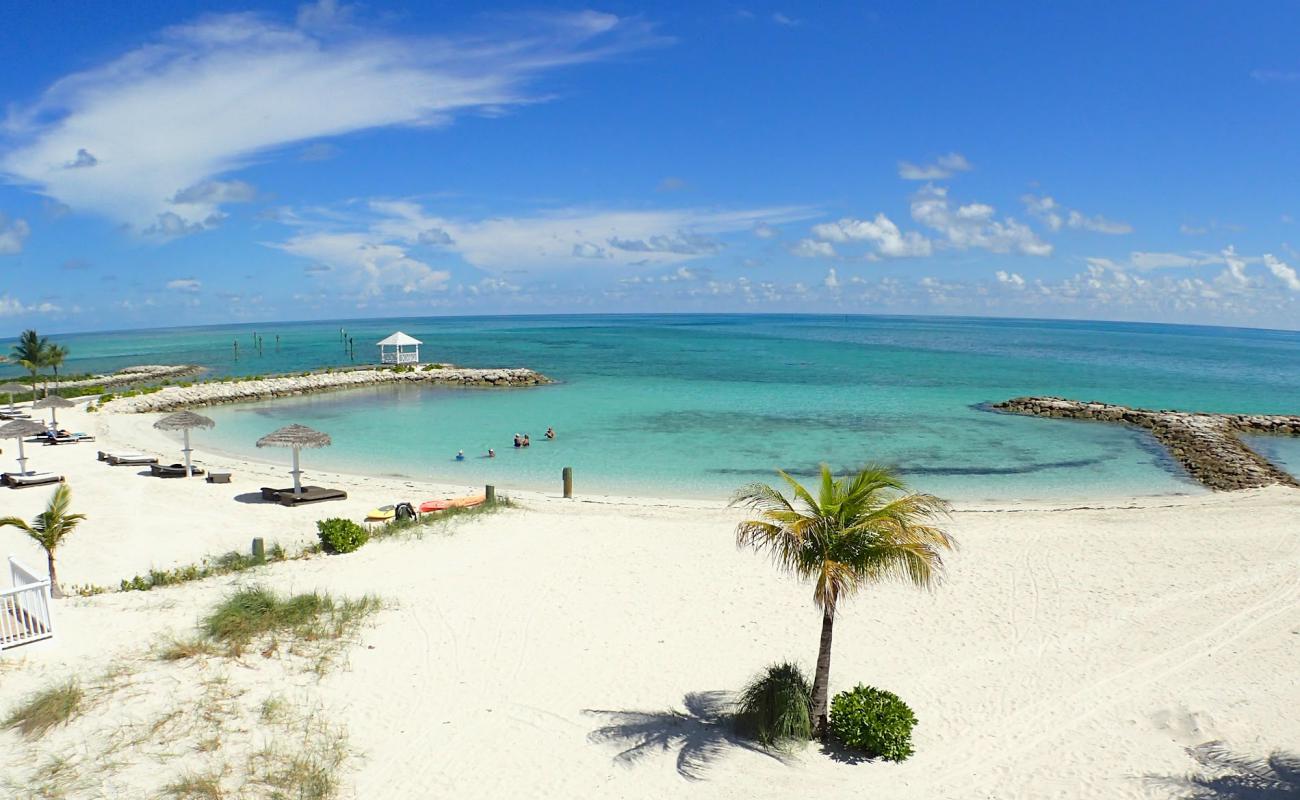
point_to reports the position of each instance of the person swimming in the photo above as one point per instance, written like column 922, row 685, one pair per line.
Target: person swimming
column 460, row 455
column 550, row 433
column 492, row 453
column 518, row 441
column 526, row 442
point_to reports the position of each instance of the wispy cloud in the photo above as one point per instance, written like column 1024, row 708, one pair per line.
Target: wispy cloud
column 943, row 167
column 1275, row 75
column 1055, row 217
column 974, row 225
column 185, row 285
column 13, row 235
column 124, row 139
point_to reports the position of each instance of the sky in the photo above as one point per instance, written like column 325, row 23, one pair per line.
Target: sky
column 197, row 163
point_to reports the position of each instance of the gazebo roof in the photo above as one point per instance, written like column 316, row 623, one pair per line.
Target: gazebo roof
column 399, row 339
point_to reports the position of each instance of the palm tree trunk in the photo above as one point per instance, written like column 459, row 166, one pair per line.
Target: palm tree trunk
column 821, row 682
column 55, row 591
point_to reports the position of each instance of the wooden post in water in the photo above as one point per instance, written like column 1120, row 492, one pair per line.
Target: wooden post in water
column 490, row 492
column 568, row 481
column 259, row 549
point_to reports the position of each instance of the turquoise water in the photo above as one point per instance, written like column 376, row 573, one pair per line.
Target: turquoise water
column 698, row 405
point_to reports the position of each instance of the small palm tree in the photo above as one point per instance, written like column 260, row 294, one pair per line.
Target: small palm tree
column 30, row 353
column 858, row 530
column 49, row 528
column 54, row 357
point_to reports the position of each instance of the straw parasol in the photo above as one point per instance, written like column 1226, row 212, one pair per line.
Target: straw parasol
column 20, row 429
column 53, row 403
column 184, row 421
column 12, row 389
column 296, row 436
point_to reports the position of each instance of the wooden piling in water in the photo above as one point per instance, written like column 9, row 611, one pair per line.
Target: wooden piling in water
column 567, row 475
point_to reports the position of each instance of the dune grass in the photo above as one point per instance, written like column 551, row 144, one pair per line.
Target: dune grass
column 196, row 786
column 776, row 706
column 438, row 520
column 46, row 709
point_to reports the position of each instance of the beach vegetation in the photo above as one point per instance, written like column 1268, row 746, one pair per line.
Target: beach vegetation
column 873, row 722
column 46, row 709
column 49, row 528
column 855, row 531
column 225, row 564
column 776, row 706
column 338, row 535
column 30, row 352
column 196, row 786
column 439, row 519
column 254, row 613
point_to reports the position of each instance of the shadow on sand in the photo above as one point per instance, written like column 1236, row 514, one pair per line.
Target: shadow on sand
column 1224, row 775
column 699, row 735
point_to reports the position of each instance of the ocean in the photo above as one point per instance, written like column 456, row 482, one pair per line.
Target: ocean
column 699, row 405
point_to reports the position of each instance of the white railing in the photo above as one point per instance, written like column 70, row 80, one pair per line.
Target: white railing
column 399, row 358
column 24, row 609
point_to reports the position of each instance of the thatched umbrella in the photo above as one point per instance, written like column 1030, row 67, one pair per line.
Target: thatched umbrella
column 53, row 403
column 184, row 421
column 295, row 436
column 20, row 429
column 12, row 389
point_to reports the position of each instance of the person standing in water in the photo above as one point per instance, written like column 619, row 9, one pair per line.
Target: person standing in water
column 460, row 455
column 492, row 453
column 550, row 433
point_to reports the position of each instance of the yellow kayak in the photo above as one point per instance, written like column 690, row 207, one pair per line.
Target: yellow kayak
column 381, row 514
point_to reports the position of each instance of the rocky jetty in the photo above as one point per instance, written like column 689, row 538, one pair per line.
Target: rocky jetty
column 238, row 390
column 145, row 373
column 1205, row 444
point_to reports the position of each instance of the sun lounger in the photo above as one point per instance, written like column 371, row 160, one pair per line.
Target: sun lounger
column 17, row 480
column 218, row 477
column 129, row 459
column 310, row 494
column 75, row 438
column 171, row 470
column 5, row 415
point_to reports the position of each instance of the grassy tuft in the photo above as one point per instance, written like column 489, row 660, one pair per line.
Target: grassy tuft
column 256, row 612
column 180, row 649
column 776, row 706
column 46, row 709
column 193, row 786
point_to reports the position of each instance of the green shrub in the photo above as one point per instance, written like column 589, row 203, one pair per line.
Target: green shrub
column 340, row 535
column 776, row 706
column 873, row 721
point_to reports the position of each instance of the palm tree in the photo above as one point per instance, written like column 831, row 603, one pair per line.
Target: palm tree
column 49, row 528
column 858, row 530
column 30, row 353
column 54, row 356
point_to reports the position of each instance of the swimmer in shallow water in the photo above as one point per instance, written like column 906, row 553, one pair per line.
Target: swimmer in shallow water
column 492, row 453
column 460, row 455
column 550, row 433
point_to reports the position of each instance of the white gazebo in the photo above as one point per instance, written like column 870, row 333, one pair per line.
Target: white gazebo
column 399, row 349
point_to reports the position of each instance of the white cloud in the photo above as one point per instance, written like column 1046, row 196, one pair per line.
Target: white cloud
column 1010, row 279
column 943, row 167
column 1235, row 273
column 1192, row 230
column 1283, row 272
column 210, row 97
column 1054, row 216
column 811, row 248
column 184, row 285
column 973, row 225
column 368, row 267
column 575, row 237
column 881, row 231
column 13, row 235
column 11, row 306
column 832, row 280
column 764, row 231
column 782, row 19
column 1144, row 260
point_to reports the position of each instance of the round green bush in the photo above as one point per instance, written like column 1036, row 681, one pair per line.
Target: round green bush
column 776, row 706
column 874, row 722
column 339, row 535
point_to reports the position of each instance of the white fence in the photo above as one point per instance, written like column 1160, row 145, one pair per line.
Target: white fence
column 400, row 358
column 24, row 609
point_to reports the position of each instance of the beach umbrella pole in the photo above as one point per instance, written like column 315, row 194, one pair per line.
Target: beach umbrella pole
column 22, row 458
column 297, row 473
column 11, row 402
column 189, row 466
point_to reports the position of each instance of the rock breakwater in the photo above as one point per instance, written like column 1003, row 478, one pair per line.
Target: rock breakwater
column 1205, row 444
column 210, row 393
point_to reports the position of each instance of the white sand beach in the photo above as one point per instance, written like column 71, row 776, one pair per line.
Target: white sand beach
column 581, row 648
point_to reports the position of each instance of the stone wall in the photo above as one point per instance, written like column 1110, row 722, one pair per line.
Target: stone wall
column 1205, row 444
column 174, row 398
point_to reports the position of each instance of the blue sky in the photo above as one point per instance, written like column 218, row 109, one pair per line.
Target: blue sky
column 189, row 163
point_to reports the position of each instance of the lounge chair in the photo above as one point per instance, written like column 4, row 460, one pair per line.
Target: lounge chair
column 310, row 494
column 5, row 415
column 18, row 480
column 218, row 477
column 72, row 438
column 129, row 459
column 171, row 470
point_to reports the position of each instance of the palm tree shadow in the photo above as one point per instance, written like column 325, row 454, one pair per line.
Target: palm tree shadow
column 1224, row 775
column 700, row 735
